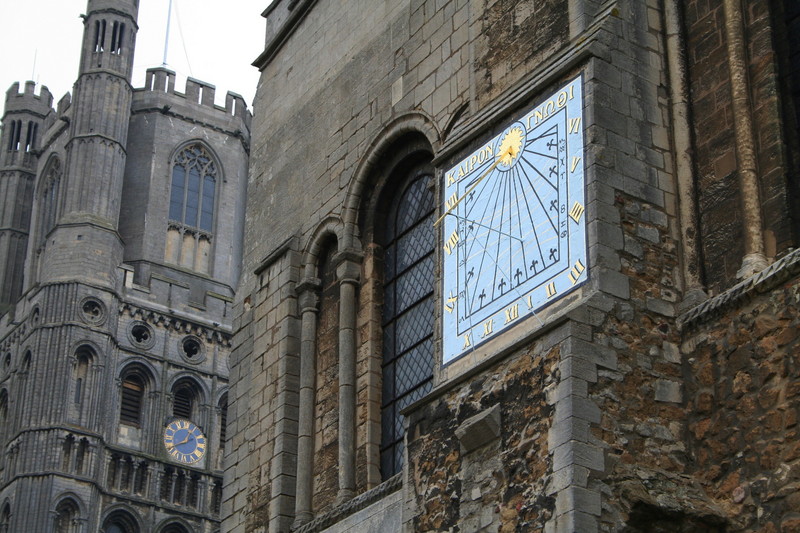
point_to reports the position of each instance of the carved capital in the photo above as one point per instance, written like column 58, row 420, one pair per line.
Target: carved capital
column 308, row 294
column 348, row 265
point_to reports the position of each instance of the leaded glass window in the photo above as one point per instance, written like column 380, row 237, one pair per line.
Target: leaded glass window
column 194, row 178
column 191, row 209
column 407, row 314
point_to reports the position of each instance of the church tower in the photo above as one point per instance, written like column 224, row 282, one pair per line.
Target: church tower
column 114, row 349
column 19, row 144
column 85, row 242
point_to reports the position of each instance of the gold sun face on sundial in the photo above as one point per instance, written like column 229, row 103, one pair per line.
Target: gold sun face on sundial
column 510, row 146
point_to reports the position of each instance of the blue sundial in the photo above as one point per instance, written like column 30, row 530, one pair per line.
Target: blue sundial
column 513, row 224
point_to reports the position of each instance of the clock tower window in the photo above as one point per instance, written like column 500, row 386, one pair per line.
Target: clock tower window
column 132, row 396
column 185, row 398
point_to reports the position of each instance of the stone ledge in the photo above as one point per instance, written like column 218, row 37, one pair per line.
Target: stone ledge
column 766, row 280
column 356, row 504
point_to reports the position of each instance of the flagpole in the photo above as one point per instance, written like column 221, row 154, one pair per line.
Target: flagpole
column 166, row 38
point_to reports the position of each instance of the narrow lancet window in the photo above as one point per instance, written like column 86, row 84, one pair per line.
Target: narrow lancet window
column 30, row 139
column 99, row 35
column 408, row 314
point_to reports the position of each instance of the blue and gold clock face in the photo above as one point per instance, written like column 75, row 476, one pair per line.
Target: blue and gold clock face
column 184, row 441
column 514, row 232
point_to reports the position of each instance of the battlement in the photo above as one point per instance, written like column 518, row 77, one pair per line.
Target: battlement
column 27, row 100
column 197, row 92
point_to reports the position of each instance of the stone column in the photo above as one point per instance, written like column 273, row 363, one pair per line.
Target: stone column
column 157, row 482
column 755, row 259
column 348, row 272
column 308, row 291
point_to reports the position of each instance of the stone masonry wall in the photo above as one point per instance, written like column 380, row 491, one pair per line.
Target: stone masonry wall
column 742, row 374
column 500, row 486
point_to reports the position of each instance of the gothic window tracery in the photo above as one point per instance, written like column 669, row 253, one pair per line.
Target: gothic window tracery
column 191, row 208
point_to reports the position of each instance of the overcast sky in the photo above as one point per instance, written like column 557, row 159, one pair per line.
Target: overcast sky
column 41, row 41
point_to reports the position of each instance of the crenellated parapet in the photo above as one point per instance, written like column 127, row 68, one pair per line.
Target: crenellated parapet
column 195, row 104
column 28, row 101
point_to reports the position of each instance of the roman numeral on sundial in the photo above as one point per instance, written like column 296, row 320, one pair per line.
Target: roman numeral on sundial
column 576, row 212
column 576, row 272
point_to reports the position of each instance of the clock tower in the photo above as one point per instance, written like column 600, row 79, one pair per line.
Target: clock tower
column 119, row 336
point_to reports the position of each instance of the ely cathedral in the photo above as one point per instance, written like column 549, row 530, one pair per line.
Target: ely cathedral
column 471, row 265
column 121, row 238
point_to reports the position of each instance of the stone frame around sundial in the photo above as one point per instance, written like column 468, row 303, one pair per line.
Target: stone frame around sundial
column 513, row 225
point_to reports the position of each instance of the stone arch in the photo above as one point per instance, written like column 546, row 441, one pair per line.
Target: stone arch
column 174, row 525
column 121, row 518
column 81, row 389
column 213, row 153
column 86, row 344
column 403, row 157
column 136, row 379
column 329, row 229
column 189, row 395
column 143, row 366
column 409, row 124
column 68, row 513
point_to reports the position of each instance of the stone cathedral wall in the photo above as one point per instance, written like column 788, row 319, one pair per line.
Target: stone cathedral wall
column 626, row 405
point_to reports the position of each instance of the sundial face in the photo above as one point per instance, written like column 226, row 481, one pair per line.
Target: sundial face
column 513, row 222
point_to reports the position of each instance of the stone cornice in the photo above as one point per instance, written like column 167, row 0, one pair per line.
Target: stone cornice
column 156, row 318
column 778, row 272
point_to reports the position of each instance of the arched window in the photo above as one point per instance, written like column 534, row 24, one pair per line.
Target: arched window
column 120, row 522
column 191, row 208
column 15, row 132
column 48, row 195
column 83, row 361
column 99, row 35
column 69, row 444
column 117, row 33
column 174, row 528
column 5, row 518
column 133, row 385
column 30, row 137
column 407, row 317
column 67, row 517
column 185, row 399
